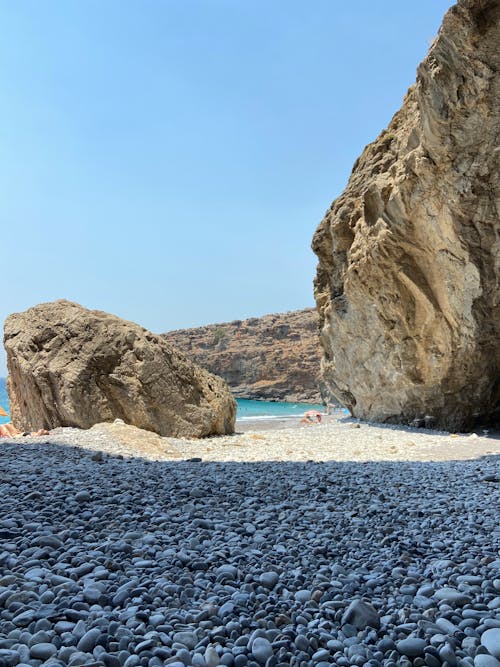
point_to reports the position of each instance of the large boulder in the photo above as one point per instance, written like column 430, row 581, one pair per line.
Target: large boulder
column 69, row 366
column 409, row 255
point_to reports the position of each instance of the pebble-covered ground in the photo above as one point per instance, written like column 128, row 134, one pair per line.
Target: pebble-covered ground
column 114, row 561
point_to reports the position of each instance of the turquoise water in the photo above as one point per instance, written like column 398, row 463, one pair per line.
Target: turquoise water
column 246, row 409
column 269, row 409
column 4, row 401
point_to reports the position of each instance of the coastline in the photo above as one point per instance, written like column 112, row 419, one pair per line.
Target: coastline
column 337, row 438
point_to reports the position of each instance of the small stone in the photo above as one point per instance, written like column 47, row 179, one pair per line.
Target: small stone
column 483, row 660
column 268, row 579
column 490, row 639
column 411, row 647
column 24, row 619
column 211, row 657
column 262, row 650
column 452, row 597
column 361, row 614
column 43, row 651
column 82, row 497
column 88, row 641
column 189, row 639
column 91, row 595
column 303, row 595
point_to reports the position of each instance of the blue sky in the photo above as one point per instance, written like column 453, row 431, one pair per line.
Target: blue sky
column 169, row 160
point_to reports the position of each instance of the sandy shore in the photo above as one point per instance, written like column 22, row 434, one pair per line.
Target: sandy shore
column 338, row 438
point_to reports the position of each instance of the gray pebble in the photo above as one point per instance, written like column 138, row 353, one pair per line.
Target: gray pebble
column 411, row 647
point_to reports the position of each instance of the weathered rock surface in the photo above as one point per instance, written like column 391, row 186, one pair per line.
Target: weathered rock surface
column 69, row 366
column 409, row 255
column 274, row 357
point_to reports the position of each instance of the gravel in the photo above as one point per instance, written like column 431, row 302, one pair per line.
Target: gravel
column 110, row 561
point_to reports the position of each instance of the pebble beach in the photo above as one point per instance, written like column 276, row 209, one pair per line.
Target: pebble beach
column 342, row 543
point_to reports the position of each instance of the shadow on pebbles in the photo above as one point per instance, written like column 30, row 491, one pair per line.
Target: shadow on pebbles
column 109, row 561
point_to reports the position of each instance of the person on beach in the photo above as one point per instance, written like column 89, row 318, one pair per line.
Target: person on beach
column 311, row 417
column 10, row 431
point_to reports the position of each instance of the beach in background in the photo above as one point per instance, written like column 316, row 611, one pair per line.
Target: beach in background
column 272, row 414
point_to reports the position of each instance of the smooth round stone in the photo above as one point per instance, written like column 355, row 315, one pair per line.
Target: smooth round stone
column 132, row 661
column 385, row 644
column 447, row 654
column 490, row 639
column 262, row 649
column 189, row 639
column 483, row 660
column 268, row 579
column 335, row 645
column 431, row 660
column 303, row 595
column 302, row 643
column 43, row 651
column 63, row 626
column 411, row 647
column 321, row 655
column 226, row 609
column 211, row 657
column 110, row 660
column 452, row 597
column 91, row 595
column 198, row 660
column 144, row 645
column 82, row 497
column 24, row 619
column 88, row 641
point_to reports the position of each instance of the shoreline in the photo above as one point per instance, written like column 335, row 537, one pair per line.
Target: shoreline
column 337, row 438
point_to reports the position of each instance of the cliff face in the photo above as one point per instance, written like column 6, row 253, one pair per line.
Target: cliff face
column 409, row 255
column 272, row 357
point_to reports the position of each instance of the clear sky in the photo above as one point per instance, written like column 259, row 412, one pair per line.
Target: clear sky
column 169, row 160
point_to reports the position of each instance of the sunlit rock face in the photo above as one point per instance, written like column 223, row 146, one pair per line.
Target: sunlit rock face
column 275, row 357
column 407, row 284
column 69, row 366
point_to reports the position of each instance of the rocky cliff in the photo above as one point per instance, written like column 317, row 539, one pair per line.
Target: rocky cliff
column 409, row 255
column 69, row 366
column 273, row 357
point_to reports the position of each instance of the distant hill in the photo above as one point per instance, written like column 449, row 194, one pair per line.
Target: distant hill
column 274, row 357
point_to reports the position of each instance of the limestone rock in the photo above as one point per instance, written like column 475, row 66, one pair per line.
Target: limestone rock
column 274, row 357
column 141, row 442
column 69, row 366
column 408, row 278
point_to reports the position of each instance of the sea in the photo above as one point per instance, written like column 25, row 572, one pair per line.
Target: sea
column 268, row 410
column 247, row 410
column 4, row 400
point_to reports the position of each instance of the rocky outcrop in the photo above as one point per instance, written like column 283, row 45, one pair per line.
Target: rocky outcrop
column 409, row 255
column 275, row 357
column 69, row 366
